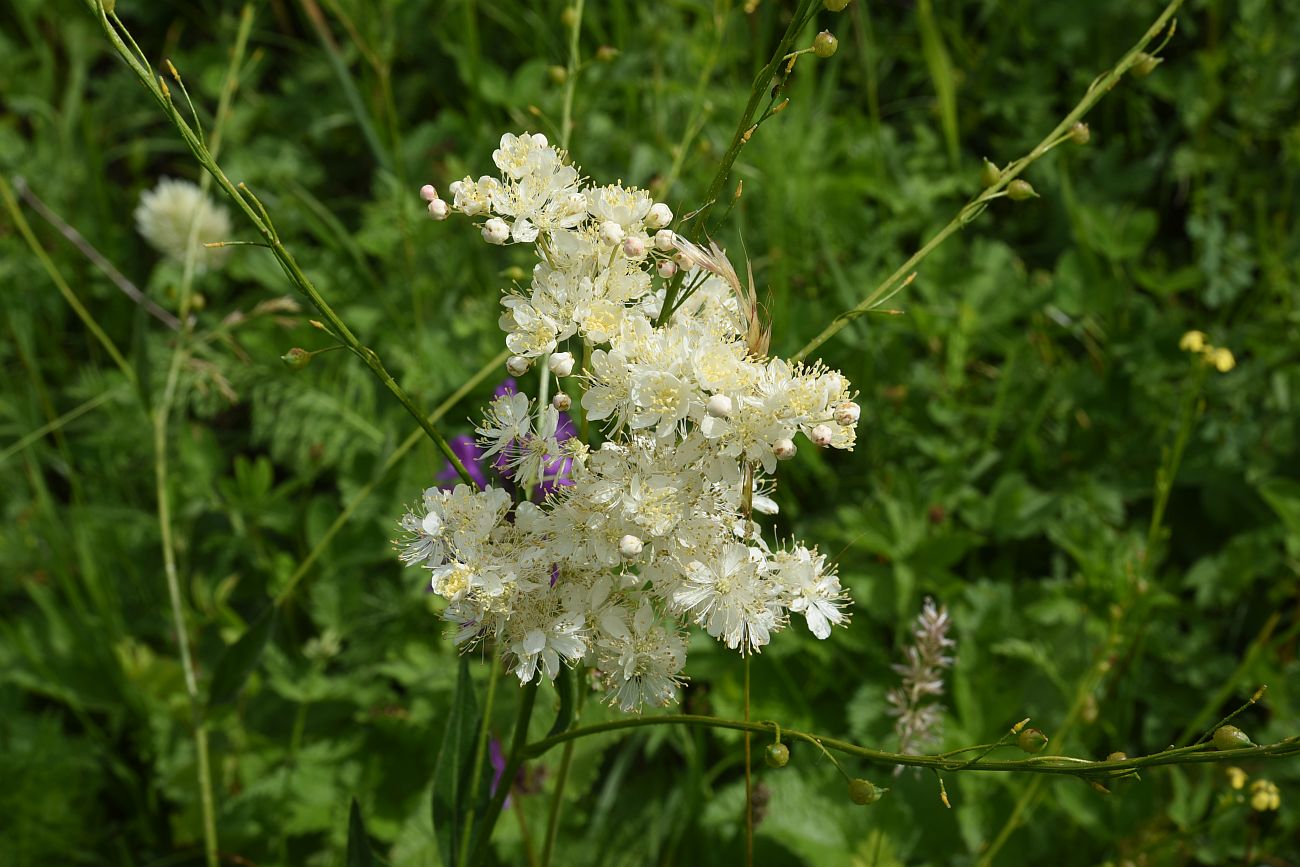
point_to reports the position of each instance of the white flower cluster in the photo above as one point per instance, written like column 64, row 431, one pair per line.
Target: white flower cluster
column 652, row 531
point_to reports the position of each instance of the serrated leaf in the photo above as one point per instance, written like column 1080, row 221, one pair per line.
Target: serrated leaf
column 451, row 775
column 240, row 659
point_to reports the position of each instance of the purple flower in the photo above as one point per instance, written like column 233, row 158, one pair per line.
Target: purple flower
column 471, row 456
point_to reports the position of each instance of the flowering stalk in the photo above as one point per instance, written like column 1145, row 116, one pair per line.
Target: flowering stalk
column 919, row 719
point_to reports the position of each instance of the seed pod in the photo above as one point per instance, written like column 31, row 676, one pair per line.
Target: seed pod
column 776, row 755
column 863, row 792
column 989, row 174
column 1080, row 133
column 1145, row 65
column 1031, row 741
column 557, row 74
column 1230, row 738
column 296, row 359
column 825, row 44
column 1019, row 190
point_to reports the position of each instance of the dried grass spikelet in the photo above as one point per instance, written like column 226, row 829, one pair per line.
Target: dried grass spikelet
column 758, row 330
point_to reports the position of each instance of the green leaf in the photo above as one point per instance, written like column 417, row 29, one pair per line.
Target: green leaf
column 451, row 775
column 359, row 854
column 941, row 73
column 240, row 659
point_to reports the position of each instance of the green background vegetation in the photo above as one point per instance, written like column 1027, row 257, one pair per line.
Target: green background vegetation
column 1015, row 415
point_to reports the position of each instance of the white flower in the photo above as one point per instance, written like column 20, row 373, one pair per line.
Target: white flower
column 627, row 208
column 730, row 599
column 611, row 233
column 507, row 421
column 812, row 591
column 719, row 406
column 639, row 665
column 173, row 212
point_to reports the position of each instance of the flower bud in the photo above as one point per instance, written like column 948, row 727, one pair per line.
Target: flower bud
column 1230, row 738
column 683, row 261
column 1222, row 359
column 562, row 402
column 664, row 239
column 825, row 44
column 1019, row 190
column 561, row 363
column 611, row 232
column 569, row 17
column 557, row 74
column 863, row 792
column 835, row 5
column 495, row 231
column 660, row 215
column 428, row 193
column 776, row 755
column 296, row 358
column 784, row 449
column 821, row 435
column 847, row 414
column 517, row 365
column 634, row 246
column 989, row 174
column 1031, row 741
column 1080, row 133
column 1145, row 64
column 606, row 53
column 666, row 268
column 629, row 546
column 438, row 210
column 719, row 406
column 1192, row 341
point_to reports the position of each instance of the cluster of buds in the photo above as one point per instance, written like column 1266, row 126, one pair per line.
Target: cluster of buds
column 1218, row 357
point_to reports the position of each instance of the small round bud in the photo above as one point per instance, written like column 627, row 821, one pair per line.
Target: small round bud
column 863, row 792
column 1019, row 190
column 428, row 193
column 629, row 546
column 495, row 231
column 1144, row 64
column 660, row 215
column 561, row 363
column 821, row 435
column 664, row 239
column 569, row 17
column 634, row 247
column 847, row 413
column 1192, row 341
column 606, row 53
column 1080, row 133
column 989, row 174
column 666, row 268
column 1222, row 359
column 198, row 301
column 825, row 44
column 296, row 358
column 719, row 406
column 1117, row 756
column 835, row 5
column 557, row 74
column 562, row 401
column 784, row 449
column 438, row 210
column 1031, row 741
column 683, row 261
column 776, row 755
column 517, row 365
column 1230, row 738
column 611, row 232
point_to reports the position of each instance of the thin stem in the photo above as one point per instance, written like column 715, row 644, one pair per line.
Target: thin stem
column 58, row 423
column 749, row 781
column 973, row 208
column 518, row 752
column 553, row 820
column 480, row 752
column 571, row 80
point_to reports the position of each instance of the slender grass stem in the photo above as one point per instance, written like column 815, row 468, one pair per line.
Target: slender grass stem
column 519, row 751
column 480, row 752
column 557, row 799
column 571, row 80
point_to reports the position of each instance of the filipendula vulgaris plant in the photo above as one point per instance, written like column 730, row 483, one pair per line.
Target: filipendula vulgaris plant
column 652, row 532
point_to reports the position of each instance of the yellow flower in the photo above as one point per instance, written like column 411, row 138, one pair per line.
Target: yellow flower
column 1221, row 359
column 1192, row 341
column 1236, row 777
column 1264, row 796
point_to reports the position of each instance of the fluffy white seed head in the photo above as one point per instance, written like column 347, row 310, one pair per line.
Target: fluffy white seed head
column 517, row 365
column 438, row 209
column 666, row 268
column 629, row 546
column 664, row 240
column 822, row 434
column 495, row 231
column 784, row 449
column 660, row 215
column 168, row 211
column 847, row 414
column 561, row 401
column 634, row 247
column 719, row 406
column 611, row 232
column 561, row 363
column 428, row 193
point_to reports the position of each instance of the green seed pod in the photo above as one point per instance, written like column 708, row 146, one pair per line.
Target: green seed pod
column 825, row 44
column 1230, row 738
column 1031, row 741
column 557, row 74
column 1080, row 134
column 863, row 792
column 1145, row 65
column 606, row 53
column 835, row 5
column 1019, row 190
column 776, row 755
column 296, row 359
column 989, row 174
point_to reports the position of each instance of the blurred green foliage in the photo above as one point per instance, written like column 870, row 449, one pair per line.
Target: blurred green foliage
column 1015, row 415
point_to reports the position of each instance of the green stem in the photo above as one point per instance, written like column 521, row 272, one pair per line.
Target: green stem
column 480, row 752
column 518, row 752
column 557, row 798
column 571, row 80
column 972, row 209
column 749, row 779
